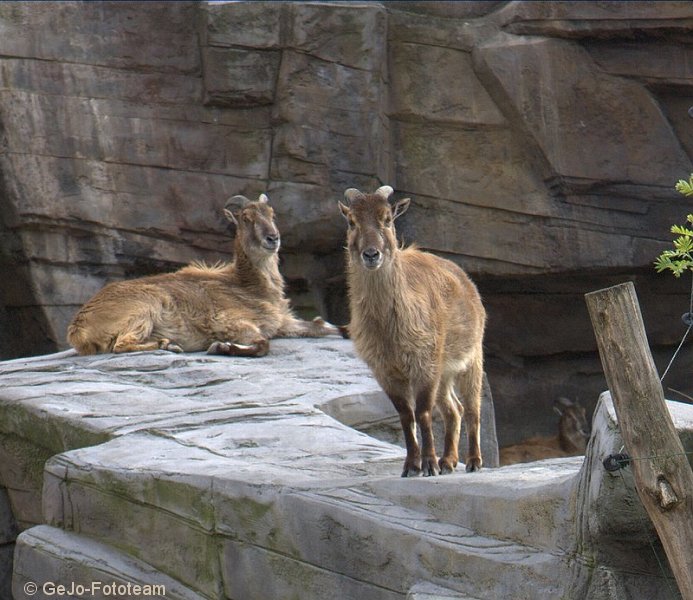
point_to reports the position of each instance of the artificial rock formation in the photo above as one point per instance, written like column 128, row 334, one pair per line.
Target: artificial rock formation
column 225, row 478
column 540, row 142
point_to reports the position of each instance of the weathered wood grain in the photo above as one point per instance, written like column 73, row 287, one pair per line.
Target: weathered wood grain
column 663, row 476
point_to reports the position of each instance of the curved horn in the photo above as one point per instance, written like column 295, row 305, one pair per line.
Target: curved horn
column 236, row 202
column 384, row 192
column 351, row 194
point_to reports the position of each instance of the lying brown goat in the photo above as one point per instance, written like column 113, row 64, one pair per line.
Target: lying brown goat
column 573, row 433
column 418, row 322
column 230, row 309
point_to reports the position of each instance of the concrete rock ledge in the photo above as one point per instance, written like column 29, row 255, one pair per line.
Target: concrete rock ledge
column 224, row 478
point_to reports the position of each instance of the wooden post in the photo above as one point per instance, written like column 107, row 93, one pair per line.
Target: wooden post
column 663, row 477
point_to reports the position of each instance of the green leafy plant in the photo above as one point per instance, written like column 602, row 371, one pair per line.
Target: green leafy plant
column 685, row 187
column 680, row 259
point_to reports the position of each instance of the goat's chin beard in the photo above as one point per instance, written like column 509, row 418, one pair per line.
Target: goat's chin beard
column 371, row 267
column 261, row 253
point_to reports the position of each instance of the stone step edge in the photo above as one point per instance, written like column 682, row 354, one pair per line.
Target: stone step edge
column 431, row 591
column 73, row 560
column 525, row 567
column 423, row 525
column 467, row 499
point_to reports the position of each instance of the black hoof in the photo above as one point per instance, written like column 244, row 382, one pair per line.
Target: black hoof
column 473, row 466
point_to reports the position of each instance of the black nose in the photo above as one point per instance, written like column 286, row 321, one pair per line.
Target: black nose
column 272, row 239
column 371, row 254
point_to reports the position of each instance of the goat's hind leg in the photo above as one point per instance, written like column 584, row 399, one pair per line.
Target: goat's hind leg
column 470, row 382
column 127, row 343
column 137, row 337
column 450, row 409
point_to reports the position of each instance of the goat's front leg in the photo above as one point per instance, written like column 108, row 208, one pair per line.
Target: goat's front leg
column 239, row 338
column 425, row 400
column 399, row 397
column 318, row 327
column 256, row 349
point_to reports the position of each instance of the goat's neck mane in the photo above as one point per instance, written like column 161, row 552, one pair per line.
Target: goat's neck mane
column 376, row 291
column 564, row 439
column 264, row 274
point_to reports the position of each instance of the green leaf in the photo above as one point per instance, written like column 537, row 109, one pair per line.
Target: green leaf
column 662, row 264
column 683, row 245
column 681, row 230
column 685, row 187
column 680, row 258
column 679, row 266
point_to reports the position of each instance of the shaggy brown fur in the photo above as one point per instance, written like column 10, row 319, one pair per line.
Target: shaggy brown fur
column 418, row 322
column 225, row 309
column 573, row 433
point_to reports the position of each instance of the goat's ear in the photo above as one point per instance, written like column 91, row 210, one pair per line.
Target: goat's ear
column 230, row 216
column 234, row 205
column 263, row 199
column 345, row 210
column 400, row 207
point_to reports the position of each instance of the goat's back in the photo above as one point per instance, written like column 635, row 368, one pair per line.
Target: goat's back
column 448, row 281
column 535, row 448
column 440, row 291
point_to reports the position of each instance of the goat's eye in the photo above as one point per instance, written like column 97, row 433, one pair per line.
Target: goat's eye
column 388, row 221
column 351, row 223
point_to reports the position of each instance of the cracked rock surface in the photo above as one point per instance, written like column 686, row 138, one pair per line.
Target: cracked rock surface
column 225, row 478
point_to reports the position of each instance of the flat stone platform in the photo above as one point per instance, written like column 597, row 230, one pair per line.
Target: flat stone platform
column 242, row 479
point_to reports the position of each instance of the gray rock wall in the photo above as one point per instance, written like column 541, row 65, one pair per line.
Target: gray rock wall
column 539, row 141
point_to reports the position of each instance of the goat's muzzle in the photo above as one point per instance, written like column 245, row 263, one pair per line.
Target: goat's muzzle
column 271, row 242
column 372, row 258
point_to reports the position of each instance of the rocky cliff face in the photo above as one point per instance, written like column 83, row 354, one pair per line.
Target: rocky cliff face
column 539, row 141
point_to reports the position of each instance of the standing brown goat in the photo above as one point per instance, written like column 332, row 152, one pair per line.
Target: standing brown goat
column 418, row 322
column 571, row 440
column 225, row 309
